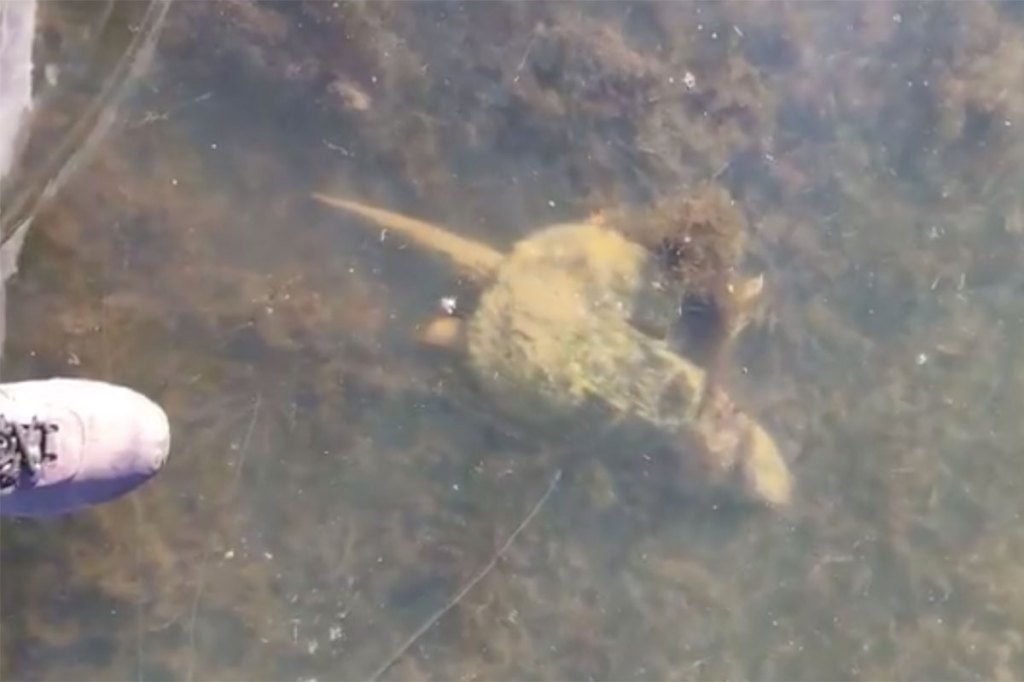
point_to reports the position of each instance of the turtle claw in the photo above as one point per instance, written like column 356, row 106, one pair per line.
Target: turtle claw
column 746, row 294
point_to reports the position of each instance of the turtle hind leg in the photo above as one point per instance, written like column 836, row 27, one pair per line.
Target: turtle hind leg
column 444, row 332
column 475, row 258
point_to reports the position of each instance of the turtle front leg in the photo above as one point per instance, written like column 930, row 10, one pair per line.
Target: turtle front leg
column 444, row 332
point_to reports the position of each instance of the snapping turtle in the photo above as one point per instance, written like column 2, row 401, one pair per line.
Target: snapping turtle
column 567, row 338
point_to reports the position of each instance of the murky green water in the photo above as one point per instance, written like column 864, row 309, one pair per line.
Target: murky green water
column 327, row 492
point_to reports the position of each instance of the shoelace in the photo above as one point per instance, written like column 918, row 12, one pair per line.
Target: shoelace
column 24, row 448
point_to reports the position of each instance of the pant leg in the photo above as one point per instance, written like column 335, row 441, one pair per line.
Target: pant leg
column 17, row 36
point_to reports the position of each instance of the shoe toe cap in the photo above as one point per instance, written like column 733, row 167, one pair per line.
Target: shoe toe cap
column 131, row 438
column 152, row 437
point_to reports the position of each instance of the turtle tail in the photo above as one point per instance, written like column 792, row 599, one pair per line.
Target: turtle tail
column 474, row 258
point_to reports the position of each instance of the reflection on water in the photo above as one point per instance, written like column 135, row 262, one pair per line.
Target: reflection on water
column 330, row 489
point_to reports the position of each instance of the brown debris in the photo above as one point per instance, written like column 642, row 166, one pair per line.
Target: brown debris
column 701, row 236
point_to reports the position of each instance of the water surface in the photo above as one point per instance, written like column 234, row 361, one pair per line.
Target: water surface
column 328, row 490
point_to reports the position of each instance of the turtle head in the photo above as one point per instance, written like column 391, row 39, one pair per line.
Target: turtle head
column 741, row 456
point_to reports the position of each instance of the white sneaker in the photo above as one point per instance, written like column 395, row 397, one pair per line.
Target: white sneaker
column 71, row 443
